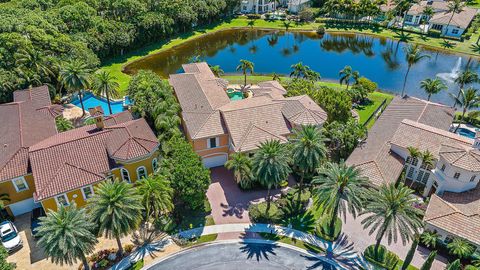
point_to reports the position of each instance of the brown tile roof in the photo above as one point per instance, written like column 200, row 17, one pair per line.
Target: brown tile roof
column 456, row 213
column 461, row 20
column 376, row 148
column 273, row 85
column 464, row 157
column 85, row 155
column 23, row 126
column 418, row 8
column 302, row 110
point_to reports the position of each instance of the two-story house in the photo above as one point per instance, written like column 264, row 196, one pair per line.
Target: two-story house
column 258, row 6
column 217, row 126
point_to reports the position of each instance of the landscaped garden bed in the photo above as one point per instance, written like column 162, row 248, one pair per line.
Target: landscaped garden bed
column 106, row 258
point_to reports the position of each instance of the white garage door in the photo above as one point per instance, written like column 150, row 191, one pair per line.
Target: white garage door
column 23, row 207
column 215, row 161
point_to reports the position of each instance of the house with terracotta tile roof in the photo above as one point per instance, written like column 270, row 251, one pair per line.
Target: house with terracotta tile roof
column 452, row 181
column 217, row 126
column 41, row 167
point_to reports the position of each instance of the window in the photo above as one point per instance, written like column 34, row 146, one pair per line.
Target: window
column 410, row 173
column 473, row 178
column 412, row 160
column 212, row 143
column 62, row 200
column 425, row 177
column 419, row 176
column 455, row 31
column 125, row 175
column 408, row 18
column 141, row 172
column 20, row 184
column 456, row 175
column 447, row 240
column 443, row 168
column 437, row 27
column 155, row 164
column 87, row 192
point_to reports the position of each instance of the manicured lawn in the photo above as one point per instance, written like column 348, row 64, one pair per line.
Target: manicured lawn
column 474, row 3
column 203, row 239
column 376, row 99
column 254, row 79
column 116, row 64
column 291, row 241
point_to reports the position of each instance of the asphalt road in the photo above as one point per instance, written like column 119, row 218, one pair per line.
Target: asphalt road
column 241, row 256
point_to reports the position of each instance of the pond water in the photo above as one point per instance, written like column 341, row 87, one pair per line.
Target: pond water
column 379, row 59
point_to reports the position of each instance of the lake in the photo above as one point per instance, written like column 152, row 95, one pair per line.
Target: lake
column 379, row 59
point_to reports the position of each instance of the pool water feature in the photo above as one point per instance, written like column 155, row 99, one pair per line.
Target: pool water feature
column 379, row 59
column 90, row 101
column 234, row 95
column 466, row 133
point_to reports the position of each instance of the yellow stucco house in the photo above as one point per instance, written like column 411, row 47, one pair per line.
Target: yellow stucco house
column 40, row 167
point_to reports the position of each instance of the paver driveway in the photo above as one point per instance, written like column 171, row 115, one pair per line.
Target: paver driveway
column 229, row 203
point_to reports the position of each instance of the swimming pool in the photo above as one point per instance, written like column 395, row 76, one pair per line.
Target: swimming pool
column 466, row 133
column 90, row 101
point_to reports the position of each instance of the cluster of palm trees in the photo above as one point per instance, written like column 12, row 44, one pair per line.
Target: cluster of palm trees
column 337, row 187
column 76, row 77
column 347, row 74
column 116, row 209
column 299, row 70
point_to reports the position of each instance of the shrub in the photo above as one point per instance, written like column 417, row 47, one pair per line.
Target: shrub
column 434, row 33
column 257, row 213
column 128, row 248
column 470, row 267
column 254, row 16
column 367, row 84
column 137, row 265
column 383, row 257
column 323, row 228
column 284, row 184
column 293, row 193
column 306, row 15
column 321, row 30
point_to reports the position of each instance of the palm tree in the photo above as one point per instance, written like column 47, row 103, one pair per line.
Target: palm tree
column 241, row 165
column 245, row 66
column 66, row 235
column 413, row 55
column 468, row 100
column 339, row 188
column 346, row 74
column 298, row 70
column 308, row 151
column 455, row 265
column 460, row 248
column 430, row 239
column 156, row 195
column 270, row 165
column 276, row 77
column 390, row 212
column 413, row 152
column 116, row 208
column 74, row 76
column 454, row 6
column 465, row 78
column 429, row 261
column 103, row 83
column 34, row 60
column 217, row 70
column 428, row 159
column 432, row 86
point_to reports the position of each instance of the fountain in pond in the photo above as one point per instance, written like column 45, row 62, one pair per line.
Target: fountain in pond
column 450, row 77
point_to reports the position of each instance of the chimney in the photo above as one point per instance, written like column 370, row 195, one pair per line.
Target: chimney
column 476, row 141
column 97, row 114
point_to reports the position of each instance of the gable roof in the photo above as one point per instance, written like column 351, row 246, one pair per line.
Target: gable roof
column 467, row 158
column 461, row 19
column 376, row 148
column 302, row 110
column 24, row 123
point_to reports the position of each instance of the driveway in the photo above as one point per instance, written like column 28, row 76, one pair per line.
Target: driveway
column 229, row 203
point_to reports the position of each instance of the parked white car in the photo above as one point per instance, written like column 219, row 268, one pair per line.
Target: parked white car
column 11, row 240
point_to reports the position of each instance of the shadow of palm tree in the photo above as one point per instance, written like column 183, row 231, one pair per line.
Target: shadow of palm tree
column 300, row 221
column 475, row 48
column 405, row 37
column 149, row 240
column 447, row 44
column 251, row 23
column 258, row 251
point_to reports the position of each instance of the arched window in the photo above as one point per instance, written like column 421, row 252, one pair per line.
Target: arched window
column 155, row 164
column 125, row 175
column 141, row 172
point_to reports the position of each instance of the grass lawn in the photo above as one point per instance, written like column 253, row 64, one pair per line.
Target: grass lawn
column 203, row 239
column 376, row 99
column 474, row 3
column 291, row 241
column 115, row 65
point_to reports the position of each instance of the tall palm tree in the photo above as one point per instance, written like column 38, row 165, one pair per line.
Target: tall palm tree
column 455, row 265
column 66, row 235
column 427, row 158
column 156, row 195
column 468, row 100
column 413, row 55
column 241, row 165
column 465, row 78
column 346, row 74
column 74, row 77
column 298, row 70
column 454, row 6
column 308, row 151
column 339, row 188
column 103, row 83
column 460, row 248
column 390, row 212
column 217, row 70
column 270, row 165
column 432, row 86
column 116, row 208
column 245, row 66
column 34, row 60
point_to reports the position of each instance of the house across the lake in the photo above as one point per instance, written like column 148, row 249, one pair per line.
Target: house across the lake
column 451, row 181
column 219, row 121
column 40, row 167
column 258, row 6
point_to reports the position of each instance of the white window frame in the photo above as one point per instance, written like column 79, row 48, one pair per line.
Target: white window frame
column 455, row 175
column 66, row 199
column 138, row 174
column 128, row 173
column 455, row 31
column 83, row 192
column 24, row 182
column 155, row 164
column 217, row 142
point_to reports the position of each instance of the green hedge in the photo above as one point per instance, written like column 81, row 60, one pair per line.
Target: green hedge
column 323, row 229
column 257, row 213
column 384, row 258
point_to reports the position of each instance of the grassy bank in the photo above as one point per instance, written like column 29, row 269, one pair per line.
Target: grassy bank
column 116, row 64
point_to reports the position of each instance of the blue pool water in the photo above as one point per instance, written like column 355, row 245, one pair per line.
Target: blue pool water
column 466, row 133
column 90, row 101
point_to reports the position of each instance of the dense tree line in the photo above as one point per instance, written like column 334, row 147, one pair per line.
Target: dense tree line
column 38, row 36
